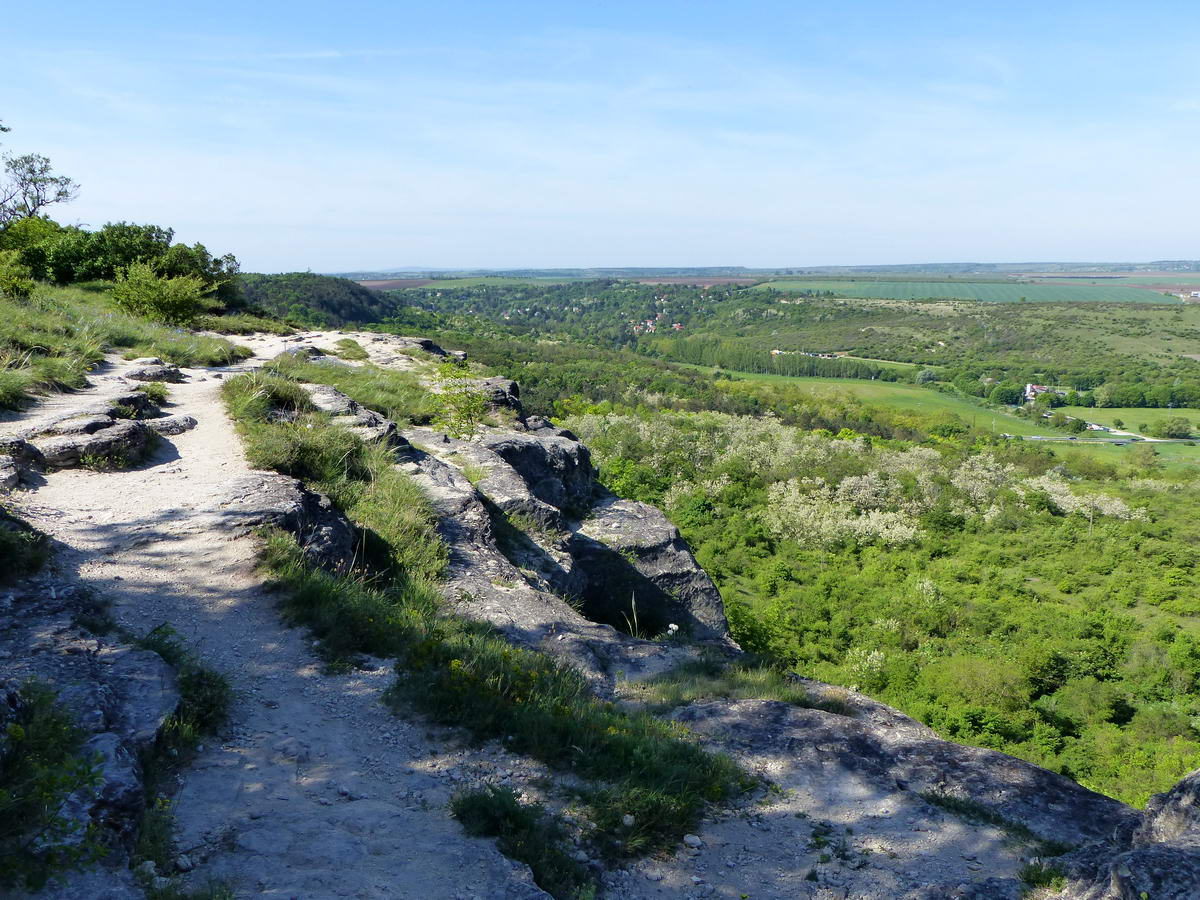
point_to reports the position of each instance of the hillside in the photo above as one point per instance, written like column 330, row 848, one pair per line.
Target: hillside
column 309, row 299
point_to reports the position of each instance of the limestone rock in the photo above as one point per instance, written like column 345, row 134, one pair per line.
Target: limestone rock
column 124, row 439
column 169, row 425
column 367, row 424
column 153, row 369
column 557, row 470
column 10, row 475
column 267, row 498
column 146, row 691
column 637, row 564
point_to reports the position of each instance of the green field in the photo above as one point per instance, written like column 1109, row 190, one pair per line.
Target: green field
column 1133, row 417
column 988, row 291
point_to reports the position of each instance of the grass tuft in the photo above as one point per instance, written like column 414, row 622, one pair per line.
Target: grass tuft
column 527, row 833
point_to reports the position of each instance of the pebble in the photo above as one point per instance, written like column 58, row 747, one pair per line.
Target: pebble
column 693, row 841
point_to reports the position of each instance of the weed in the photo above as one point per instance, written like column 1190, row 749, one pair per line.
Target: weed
column 41, row 764
column 713, row 676
column 1041, row 875
column 525, row 832
column 22, row 547
column 156, row 392
column 121, row 411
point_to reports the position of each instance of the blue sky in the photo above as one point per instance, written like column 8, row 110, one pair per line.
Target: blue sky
column 367, row 135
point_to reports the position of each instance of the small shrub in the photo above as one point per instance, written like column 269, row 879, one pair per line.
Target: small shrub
column 1042, row 875
column 41, row 764
column 141, row 291
column 527, row 833
column 156, row 392
column 22, row 548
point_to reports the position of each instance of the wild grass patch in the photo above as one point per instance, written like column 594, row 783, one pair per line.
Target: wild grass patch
column 528, row 833
column 712, row 677
column 976, row 812
column 398, row 395
column 55, row 338
column 41, row 764
column 348, row 348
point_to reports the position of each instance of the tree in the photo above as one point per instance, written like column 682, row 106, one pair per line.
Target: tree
column 29, row 185
column 1173, row 427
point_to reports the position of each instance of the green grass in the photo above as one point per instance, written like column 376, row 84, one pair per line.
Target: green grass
column 1133, row 417
column 987, row 291
column 41, row 764
column 348, row 348
column 242, row 323
column 711, row 678
column 905, row 397
column 156, row 392
column 525, row 832
column 52, row 341
column 398, row 395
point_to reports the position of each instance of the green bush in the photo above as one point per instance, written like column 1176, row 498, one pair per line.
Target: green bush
column 156, row 392
column 41, row 764
column 16, row 280
column 141, row 291
column 22, row 548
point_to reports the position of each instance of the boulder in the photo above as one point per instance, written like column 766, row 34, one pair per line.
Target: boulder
column 125, row 440
column 502, row 392
column 145, row 690
column 267, row 498
column 557, row 470
column 367, row 424
column 638, row 566
column 22, row 453
column 153, row 369
column 169, row 425
column 84, row 423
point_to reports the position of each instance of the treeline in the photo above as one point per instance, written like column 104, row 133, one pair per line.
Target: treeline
column 1089, row 389
column 714, row 351
column 48, row 251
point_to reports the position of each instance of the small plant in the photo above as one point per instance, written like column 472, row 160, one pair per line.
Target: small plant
column 41, row 764
column 22, row 547
column 121, row 411
column 156, row 392
column 1042, row 875
column 527, row 833
column 461, row 406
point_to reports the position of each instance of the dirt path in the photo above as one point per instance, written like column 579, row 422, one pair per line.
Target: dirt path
column 315, row 790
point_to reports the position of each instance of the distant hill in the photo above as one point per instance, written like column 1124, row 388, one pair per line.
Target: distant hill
column 319, row 300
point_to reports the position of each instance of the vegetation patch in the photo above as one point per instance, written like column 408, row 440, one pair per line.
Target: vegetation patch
column 22, row 547
column 398, row 395
column 41, row 764
column 713, row 677
column 348, row 348
column 528, row 833
column 156, row 392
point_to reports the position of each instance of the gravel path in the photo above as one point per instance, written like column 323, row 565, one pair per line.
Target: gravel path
column 314, row 790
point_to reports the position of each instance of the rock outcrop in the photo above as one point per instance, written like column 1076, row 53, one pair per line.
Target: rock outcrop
column 267, row 498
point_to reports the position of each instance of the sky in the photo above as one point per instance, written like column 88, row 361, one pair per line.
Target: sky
column 377, row 135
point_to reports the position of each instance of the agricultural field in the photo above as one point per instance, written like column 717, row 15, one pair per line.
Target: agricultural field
column 992, row 292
